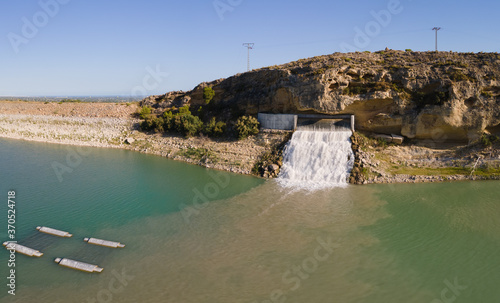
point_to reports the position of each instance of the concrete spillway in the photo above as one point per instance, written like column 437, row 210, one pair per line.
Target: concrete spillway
column 105, row 243
column 54, row 232
column 317, row 158
column 22, row 249
column 78, row 265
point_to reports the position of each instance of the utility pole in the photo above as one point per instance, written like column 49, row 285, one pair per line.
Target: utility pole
column 249, row 46
column 436, row 29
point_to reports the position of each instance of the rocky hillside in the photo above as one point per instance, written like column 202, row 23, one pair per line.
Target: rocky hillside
column 442, row 96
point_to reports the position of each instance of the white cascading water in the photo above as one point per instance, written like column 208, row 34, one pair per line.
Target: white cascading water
column 317, row 158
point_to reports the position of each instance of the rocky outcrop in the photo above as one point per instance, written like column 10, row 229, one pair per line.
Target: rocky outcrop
column 359, row 171
column 438, row 96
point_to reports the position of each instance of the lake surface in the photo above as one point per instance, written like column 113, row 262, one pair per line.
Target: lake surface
column 197, row 235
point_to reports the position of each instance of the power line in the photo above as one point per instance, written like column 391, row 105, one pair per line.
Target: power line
column 436, row 29
column 249, row 46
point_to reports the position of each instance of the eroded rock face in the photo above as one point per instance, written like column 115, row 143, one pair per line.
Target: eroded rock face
column 422, row 95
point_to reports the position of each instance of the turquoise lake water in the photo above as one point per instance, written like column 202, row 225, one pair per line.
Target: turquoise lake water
column 198, row 235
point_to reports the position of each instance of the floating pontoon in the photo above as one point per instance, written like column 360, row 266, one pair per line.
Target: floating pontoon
column 22, row 249
column 54, row 232
column 101, row 242
column 78, row 265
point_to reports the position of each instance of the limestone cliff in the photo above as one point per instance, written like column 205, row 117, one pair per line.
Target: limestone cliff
column 441, row 96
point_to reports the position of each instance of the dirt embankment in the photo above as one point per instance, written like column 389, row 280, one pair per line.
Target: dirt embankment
column 114, row 125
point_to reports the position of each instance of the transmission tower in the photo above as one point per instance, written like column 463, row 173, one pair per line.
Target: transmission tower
column 436, row 29
column 249, row 46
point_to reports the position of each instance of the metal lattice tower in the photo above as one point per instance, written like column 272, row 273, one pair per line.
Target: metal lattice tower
column 436, row 29
column 249, row 46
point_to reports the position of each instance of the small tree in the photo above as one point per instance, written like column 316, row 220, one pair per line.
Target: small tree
column 158, row 125
column 168, row 121
column 147, row 124
column 208, row 94
column 246, row 126
column 188, row 125
column 145, row 112
column 214, row 128
column 184, row 110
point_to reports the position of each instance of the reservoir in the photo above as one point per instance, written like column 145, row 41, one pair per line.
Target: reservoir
column 199, row 235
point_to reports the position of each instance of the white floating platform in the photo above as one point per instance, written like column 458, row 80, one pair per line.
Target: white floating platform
column 23, row 249
column 54, row 232
column 78, row 265
column 106, row 243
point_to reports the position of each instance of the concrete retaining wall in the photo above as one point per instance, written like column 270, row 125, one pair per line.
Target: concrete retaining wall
column 278, row 121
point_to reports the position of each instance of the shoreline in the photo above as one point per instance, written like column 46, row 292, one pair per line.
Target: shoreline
column 113, row 126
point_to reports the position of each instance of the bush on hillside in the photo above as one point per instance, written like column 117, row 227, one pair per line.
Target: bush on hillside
column 144, row 112
column 188, row 125
column 208, row 94
column 246, row 126
column 214, row 128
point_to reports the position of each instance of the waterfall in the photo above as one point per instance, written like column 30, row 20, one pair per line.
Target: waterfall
column 317, row 158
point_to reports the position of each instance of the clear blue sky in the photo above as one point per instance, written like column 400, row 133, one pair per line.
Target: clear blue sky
column 104, row 47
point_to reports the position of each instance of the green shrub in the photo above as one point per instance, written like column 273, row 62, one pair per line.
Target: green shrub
column 151, row 123
column 408, row 50
column 214, row 128
column 145, row 112
column 158, row 125
column 459, row 76
column 147, row 124
column 487, row 140
column 246, row 126
column 184, row 110
column 168, row 121
column 208, row 94
column 188, row 125
column 201, row 112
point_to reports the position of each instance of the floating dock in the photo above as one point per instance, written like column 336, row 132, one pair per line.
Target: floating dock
column 78, row 265
column 106, row 243
column 54, row 232
column 23, row 249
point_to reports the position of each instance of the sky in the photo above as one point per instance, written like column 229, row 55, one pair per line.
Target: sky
column 132, row 48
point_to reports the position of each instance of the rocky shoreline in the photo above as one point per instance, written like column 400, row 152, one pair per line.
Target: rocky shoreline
column 114, row 126
column 379, row 162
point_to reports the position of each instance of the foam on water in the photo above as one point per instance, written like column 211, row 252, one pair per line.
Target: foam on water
column 317, row 158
